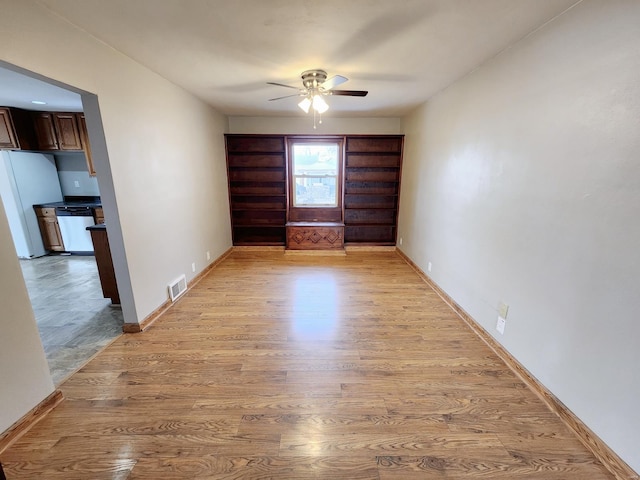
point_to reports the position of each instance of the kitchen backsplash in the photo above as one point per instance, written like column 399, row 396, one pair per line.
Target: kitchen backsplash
column 74, row 176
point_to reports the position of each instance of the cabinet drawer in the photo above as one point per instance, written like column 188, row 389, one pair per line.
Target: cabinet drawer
column 46, row 212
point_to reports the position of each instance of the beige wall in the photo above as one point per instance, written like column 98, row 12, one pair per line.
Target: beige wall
column 521, row 183
column 24, row 374
column 161, row 172
column 303, row 124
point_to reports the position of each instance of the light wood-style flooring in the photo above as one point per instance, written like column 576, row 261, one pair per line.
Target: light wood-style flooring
column 299, row 367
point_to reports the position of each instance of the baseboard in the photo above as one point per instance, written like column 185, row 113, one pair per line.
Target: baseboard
column 370, row 248
column 600, row 450
column 317, row 253
column 33, row 416
column 158, row 312
column 257, row 248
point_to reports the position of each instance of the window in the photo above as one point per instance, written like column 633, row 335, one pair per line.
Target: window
column 315, row 174
column 315, row 179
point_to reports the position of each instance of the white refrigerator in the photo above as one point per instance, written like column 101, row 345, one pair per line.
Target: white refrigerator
column 27, row 179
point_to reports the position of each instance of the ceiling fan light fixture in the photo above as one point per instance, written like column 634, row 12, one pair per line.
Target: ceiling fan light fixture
column 305, row 105
column 319, row 105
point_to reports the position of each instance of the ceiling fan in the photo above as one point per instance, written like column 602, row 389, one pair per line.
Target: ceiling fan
column 315, row 86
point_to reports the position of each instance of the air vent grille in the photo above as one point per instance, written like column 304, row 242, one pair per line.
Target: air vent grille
column 177, row 287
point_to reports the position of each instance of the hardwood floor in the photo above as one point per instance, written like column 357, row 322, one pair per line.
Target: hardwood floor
column 296, row 367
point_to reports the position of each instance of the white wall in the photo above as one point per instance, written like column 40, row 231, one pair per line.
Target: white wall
column 521, row 183
column 72, row 168
column 303, row 125
column 163, row 183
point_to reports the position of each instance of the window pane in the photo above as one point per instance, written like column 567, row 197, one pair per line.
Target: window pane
column 315, row 170
column 315, row 191
column 315, row 159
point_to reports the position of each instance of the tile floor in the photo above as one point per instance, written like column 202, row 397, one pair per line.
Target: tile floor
column 74, row 320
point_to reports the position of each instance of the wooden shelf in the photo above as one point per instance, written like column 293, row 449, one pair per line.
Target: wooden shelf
column 257, row 171
column 256, row 166
column 372, row 188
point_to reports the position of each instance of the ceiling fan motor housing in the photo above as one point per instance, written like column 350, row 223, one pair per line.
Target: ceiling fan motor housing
column 312, row 79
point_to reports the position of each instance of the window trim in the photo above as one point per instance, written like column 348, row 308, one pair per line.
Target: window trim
column 315, row 213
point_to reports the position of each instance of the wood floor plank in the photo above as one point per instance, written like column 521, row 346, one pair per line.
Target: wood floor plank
column 302, row 367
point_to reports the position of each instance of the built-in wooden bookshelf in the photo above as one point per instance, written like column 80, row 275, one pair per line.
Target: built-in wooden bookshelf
column 372, row 188
column 257, row 189
column 257, row 172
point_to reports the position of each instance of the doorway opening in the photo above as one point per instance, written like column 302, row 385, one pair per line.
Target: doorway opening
column 74, row 320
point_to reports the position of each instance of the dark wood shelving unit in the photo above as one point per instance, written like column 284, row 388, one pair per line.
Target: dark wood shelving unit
column 372, row 188
column 257, row 173
column 256, row 166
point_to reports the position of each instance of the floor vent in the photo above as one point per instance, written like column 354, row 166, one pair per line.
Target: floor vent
column 177, row 287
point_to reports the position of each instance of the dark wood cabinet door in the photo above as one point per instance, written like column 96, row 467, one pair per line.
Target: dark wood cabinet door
column 44, row 130
column 49, row 229
column 66, row 127
column 7, row 134
column 86, row 146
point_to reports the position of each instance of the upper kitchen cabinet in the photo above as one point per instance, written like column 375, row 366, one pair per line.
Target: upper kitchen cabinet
column 15, row 129
column 67, row 131
column 57, row 131
column 86, row 146
column 46, row 137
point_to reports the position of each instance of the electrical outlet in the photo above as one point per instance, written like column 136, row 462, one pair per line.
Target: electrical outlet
column 193, row 267
column 400, row 241
column 76, row 183
column 208, row 255
column 428, row 266
column 500, row 325
column 503, row 310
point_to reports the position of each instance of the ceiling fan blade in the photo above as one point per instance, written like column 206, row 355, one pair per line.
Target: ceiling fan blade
column 349, row 93
column 287, row 96
column 334, row 81
column 282, row 85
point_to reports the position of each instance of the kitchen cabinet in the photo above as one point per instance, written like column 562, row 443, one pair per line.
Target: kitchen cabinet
column 46, row 138
column 86, row 146
column 15, row 129
column 98, row 215
column 49, row 229
column 104, row 262
column 67, row 132
column 256, row 168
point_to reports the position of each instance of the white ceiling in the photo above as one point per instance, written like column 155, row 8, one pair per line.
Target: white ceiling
column 224, row 51
column 18, row 90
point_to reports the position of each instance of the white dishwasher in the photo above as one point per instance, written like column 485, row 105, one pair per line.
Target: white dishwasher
column 73, row 222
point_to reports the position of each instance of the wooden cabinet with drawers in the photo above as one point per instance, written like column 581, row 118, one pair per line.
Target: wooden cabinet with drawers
column 49, row 229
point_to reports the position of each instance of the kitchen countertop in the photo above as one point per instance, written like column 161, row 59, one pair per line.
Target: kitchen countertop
column 98, row 227
column 89, row 202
